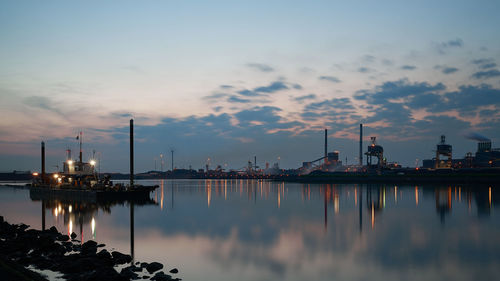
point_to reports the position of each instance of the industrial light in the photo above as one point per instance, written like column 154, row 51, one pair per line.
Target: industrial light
column 56, row 176
column 35, row 174
column 70, row 162
column 92, row 162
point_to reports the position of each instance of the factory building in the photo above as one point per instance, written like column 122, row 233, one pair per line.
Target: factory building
column 485, row 157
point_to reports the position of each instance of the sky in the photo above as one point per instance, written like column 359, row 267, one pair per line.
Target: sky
column 230, row 80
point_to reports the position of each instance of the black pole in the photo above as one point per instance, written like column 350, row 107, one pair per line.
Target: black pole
column 43, row 214
column 132, row 231
column 131, row 152
column 43, row 162
column 326, row 146
column 360, row 144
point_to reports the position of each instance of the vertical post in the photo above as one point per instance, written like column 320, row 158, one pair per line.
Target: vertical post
column 326, row 146
column 43, row 214
column 172, row 160
column 255, row 162
column 43, row 163
column 131, row 152
column 132, row 231
column 360, row 144
column 81, row 158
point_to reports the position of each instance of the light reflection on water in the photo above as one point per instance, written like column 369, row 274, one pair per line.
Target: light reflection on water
column 258, row 230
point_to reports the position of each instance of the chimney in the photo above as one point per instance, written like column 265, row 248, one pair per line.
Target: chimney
column 43, row 162
column 131, row 152
column 326, row 146
column 360, row 144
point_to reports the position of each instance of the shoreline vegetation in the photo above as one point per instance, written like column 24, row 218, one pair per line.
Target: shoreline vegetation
column 51, row 250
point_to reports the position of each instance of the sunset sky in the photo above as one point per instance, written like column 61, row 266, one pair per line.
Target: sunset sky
column 230, row 80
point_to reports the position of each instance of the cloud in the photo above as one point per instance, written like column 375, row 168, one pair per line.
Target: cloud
column 260, row 67
column 408, row 67
column 42, row 103
column 330, row 79
column 486, row 74
column 226, row 86
column 444, row 46
column 235, row 99
column 485, row 63
column 396, row 90
column 449, row 70
column 272, row 88
column 305, row 97
column 364, row 70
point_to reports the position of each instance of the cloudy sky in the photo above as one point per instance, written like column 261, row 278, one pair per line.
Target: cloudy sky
column 230, row 80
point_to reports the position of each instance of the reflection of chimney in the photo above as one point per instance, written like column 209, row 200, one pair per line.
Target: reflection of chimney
column 326, row 145
column 360, row 144
column 43, row 162
column 131, row 152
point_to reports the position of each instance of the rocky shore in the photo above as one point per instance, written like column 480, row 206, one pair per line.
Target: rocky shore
column 21, row 247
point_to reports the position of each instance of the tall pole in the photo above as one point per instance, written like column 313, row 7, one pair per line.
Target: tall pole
column 81, row 158
column 172, row 159
column 360, row 144
column 131, row 152
column 43, row 162
column 326, row 146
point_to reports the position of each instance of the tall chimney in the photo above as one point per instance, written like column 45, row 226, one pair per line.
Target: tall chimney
column 131, row 152
column 360, row 144
column 255, row 162
column 43, row 162
column 326, row 146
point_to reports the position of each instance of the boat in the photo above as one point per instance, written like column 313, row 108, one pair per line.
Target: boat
column 79, row 180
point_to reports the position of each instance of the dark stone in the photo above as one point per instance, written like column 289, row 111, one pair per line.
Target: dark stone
column 73, row 235
column 53, row 230
column 160, row 276
column 101, row 245
column 174, row 271
column 89, row 248
column 144, row 264
column 154, row 266
column 119, row 258
column 134, row 268
column 145, row 277
column 128, row 273
column 62, row 238
column 1, row 219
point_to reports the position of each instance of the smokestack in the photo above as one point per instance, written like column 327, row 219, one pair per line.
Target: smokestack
column 326, row 145
column 255, row 162
column 360, row 144
column 131, row 152
column 43, row 162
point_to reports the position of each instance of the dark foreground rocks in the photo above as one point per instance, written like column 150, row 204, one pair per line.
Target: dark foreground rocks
column 48, row 249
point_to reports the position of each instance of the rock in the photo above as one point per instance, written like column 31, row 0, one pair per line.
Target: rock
column 73, row 235
column 119, row 258
column 1, row 219
column 89, row 248
column 128, row 273
column 62, row 238
column 160, row 276
column 174, row 271
column 144, row 264
column 145, row 277
column 134, row 268
column 53, row 230
column 154, row 266
column 101, row 245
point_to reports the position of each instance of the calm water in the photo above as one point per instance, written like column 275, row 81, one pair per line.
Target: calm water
column 253, row 230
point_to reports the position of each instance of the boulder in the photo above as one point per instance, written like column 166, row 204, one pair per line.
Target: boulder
column 154, row 266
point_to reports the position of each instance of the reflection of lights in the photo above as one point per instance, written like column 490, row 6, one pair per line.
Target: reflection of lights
column 489, row 195
column 459, row 194
column 384, row 198
column 279, row 200
column 416, row 195
column 396, row 194
column 56, row 212
column 70, row 208
column 70, row 227
column 92, row 225
column 373, row 216
column 355, row 197
column 336, row 203
column 209, row 195
column 59, row 208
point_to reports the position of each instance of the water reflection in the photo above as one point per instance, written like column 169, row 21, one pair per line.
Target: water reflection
column 259, row 230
